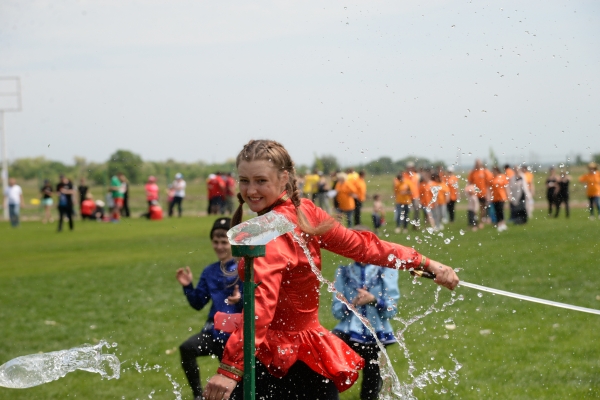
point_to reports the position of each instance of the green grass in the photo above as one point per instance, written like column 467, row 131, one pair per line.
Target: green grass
column 116, row 282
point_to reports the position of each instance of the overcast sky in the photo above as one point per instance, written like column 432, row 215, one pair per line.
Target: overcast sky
column 195, row 80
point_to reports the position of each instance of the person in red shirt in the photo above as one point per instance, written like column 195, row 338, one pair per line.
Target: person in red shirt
column 151, row 189
column 499, row 197
column 295, row 355
column 229, row 192
column 88, row 207
column 481, row 177
column 216, row 193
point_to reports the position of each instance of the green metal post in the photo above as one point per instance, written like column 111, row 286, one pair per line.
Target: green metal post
column 249, row 253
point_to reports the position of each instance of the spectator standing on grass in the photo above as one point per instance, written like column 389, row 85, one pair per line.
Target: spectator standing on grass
column 361, row 195
column 529, row 180
column 439, row 200
column 322, row 188
column 499, row 197
column 215, row 187
column 117, row 194
column 82, row 190
column 562, row 195
column 481, row 177
column 472, row 206
column 403, row 196
column 453, row 191
column 551, row 189
column 65, row 193
column 374, row 292
column 518, row 195
column 13, row 198
column 229, row 193
column 592, row 182
column 346, row 195
column 178, row 187
column 311, row 182
column 125, row 190
column 378, row 216
column 88, row 207
column 426, row 198
column 218, row 283
column 414, row 180
column 47, row 201
column 152, row 190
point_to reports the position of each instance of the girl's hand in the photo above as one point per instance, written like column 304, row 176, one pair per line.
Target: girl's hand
column 219, row 387
column 184, row 276
column 444, row 275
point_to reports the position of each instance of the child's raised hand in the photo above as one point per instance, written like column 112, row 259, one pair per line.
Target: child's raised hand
column 184, row 276
column 235, row 296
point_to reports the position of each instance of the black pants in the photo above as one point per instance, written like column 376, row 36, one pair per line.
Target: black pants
column 499, row 210
column 65, row 211
column 371, row 381
column 201, row 344
column 450, row 207
column 176, row 200
column 559, row 201
column 301, row 382
column 125, row 208
column 357, row 210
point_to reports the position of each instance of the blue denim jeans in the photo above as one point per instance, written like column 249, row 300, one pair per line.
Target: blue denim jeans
column 401, row 215
column 348, row 215
column 13, row 212
column 594, row 201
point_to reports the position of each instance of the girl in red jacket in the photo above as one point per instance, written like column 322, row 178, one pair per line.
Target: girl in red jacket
column 295, row 355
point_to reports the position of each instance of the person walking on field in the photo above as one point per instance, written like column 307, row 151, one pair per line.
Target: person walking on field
column 65, row 192
column 361, row 196
column 481, row 177
column 592, row 182
column 178, row 187
column 82, row 190
column 426, row 198
column 218, row 283
column 296, row 357
column 13, row 198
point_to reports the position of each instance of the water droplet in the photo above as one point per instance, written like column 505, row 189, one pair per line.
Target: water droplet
column 479, row 294
column 447, row 241
column 462, row 232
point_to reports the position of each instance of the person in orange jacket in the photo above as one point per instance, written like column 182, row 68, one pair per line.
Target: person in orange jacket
column 453, row 191
column 361, row 195
column 481, row 177
column 346, row 195
column 499, row 197
column 403, row 195
column 426, row 197
column 414, row 179
column 592, row 182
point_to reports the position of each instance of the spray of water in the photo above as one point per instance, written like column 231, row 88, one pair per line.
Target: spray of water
column 37, row 369
column 392, row 388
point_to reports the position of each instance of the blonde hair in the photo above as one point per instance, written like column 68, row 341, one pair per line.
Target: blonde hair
column 275, row 153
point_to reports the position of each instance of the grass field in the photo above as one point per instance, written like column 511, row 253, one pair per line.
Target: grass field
column 116, row 282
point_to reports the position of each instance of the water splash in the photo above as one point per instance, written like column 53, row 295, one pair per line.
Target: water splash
column 260, row 230
column 37, row 369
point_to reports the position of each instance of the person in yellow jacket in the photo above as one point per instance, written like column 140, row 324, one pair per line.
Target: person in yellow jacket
column 346, row 194
column 403, row 194
column 361, row 195
column 311, row 185
column 592, row 182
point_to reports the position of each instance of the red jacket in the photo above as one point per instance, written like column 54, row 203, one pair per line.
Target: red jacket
column 287, row 301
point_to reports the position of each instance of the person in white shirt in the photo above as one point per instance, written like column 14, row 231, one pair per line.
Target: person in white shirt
column 13, row 197
column 178, row 187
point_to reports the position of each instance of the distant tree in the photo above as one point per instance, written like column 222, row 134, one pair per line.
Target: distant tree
column 493, row 158
column 596, row 158
column 326, row 163
column 579, row 160
column 128, row 163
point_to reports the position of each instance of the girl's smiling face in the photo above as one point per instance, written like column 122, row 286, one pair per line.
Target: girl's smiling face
column 260, row 183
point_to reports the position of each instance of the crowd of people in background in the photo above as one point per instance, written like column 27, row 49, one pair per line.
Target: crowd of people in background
column 421, row 197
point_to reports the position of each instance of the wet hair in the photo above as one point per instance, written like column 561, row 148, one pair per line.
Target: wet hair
column 278, row 156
